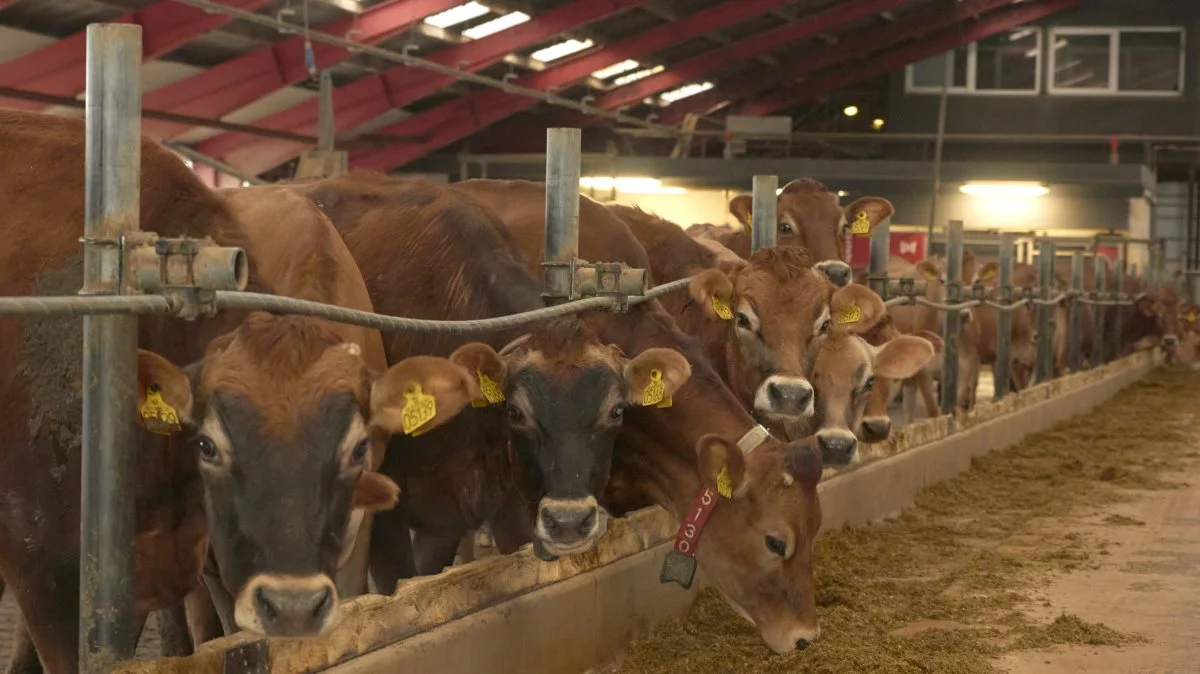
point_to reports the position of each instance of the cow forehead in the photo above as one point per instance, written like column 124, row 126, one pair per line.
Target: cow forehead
column 802, row 292
column 285, row 392
column 314, row 433
column 567, row 364
column 840, row 356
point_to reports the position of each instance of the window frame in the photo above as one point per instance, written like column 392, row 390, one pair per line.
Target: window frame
column 972, row 72
column 1114, row 61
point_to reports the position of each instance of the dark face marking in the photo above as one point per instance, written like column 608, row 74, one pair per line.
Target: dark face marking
column 566, row 426
column 278, row 505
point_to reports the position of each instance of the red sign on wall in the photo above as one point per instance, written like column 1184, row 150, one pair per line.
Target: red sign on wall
column 1109, row 252
column 909, row 245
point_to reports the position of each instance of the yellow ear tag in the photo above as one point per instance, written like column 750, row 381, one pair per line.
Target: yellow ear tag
column 721, row 309
column 849, row 314
column 157, row 415
column 419, row 409
column 653, row 394
column 491, row 391
column 724, row 484
column 861, row 225
column 1191, row 317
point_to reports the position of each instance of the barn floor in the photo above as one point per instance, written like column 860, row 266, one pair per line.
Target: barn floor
column 1078, row 550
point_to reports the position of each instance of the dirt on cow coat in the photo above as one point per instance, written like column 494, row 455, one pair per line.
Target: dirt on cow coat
column 950, row 584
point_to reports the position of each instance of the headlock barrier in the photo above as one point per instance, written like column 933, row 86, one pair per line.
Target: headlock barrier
column 510, row 613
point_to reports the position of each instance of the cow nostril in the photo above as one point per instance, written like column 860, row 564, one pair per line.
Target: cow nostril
column 774, row 393
column 550, row 521
column 265, row 607
column 323, row 604
column 589, row 521
column 801, row 644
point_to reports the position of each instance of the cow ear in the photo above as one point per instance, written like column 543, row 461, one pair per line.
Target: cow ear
column 722, row 466
column 856, row 308
column 929, row 270
column 874, row 210
column 838, row 272
column 713, row 290
column 656, row 374
column 902, row 357
column 740, row 207
column 934, row 339
column 489, row 370
column 164, row 394
column 1145, row 306
column 988, row 273
column 375, row 491
column 421, row 393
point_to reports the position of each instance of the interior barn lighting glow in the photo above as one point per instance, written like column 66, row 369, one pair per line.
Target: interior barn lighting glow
column 616, row 69
column 686, row 90
column 496, row 25
column 456, row 15
column 1004, row 189
column 850, row 110
column 877, row 123
column 629, row 185
column 565, row 48
column 635, row 76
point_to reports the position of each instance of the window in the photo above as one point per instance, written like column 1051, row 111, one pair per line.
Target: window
column 1006, row 63
column 1113, row 61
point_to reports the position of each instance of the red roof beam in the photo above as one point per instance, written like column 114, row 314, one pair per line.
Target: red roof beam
column 991, row 24
column 829, row 20
column 458, row 119
column 239, row 82
column 869, row 40
column 374, row 95
column 60, row 68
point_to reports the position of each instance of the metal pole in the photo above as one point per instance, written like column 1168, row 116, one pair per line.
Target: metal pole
column 1045, row 314
column 1002, row 370
column 1118, row 291
column 1189, row 230
column 940, row 141
column 881, row 242
column 1075, row 317
column 762, row 214
column 952, row 324
column 562, row 208
column 112, row 178
column 325, row 113
column 1100, row 276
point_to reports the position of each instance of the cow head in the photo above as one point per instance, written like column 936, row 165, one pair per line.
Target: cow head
column 810, row 217
column 282, row 416
column 775, row 304
column 876, row 425
column 566, row 395
column 757, row 547
column 846, row 368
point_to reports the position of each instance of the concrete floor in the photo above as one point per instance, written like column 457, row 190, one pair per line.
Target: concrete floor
column 1150, row 585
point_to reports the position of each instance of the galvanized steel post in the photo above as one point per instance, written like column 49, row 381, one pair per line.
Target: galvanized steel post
column 952, row 317
column 1002, row 370
column 763, row 212
column 110, row 441
column 1075, row 318
column 1045, row 313
column 1118, row 294
column 562, row 208
column 881, row 243
column 1100, row 276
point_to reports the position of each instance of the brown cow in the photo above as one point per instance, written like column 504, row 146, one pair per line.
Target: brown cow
column 809, row 216
column 757, row 547
column 846, row 368
column 251, row 398
column 776, row 304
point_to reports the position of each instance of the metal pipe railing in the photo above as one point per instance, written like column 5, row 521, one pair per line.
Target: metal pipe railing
column 110, row 442
column 1075, row 315
column 952, row 322
column 563, row 147
column 1002, row 369
column 763, row 212
column 1045, row 311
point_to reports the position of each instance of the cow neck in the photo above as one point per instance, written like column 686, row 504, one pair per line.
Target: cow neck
column 733, row 372
column 679, row 566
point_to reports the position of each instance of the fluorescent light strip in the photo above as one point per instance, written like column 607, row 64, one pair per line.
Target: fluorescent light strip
column 615, row 69
column 1004, row 189
column 457, row 15
column 633, row 77
column 683, row 92
column 496, row 25
column 565, row 48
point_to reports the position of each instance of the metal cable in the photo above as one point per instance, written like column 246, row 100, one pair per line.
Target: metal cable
column 414, row 62
column 82, row 305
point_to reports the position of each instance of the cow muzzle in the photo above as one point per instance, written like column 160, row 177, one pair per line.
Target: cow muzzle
column 876, row 429
column 838, row 447
column 568, row 526
column 1170, row 339
column 277, row 605
column 782, row 398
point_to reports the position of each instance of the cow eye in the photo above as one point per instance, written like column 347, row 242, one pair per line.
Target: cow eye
column 618, row 411
column 743, row 321
column 868, row 383
column 785, row 228
column 359, row 453
column 826, row 325
column 514, row 413
column 776, row 546
column 206, row 449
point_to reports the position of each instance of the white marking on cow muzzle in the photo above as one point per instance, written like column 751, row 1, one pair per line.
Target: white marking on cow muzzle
column 278, row 605
column 782, row 398
column 838, row 446
column 570, row 526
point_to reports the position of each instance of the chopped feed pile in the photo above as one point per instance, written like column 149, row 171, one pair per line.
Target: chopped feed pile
column 948, row 585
